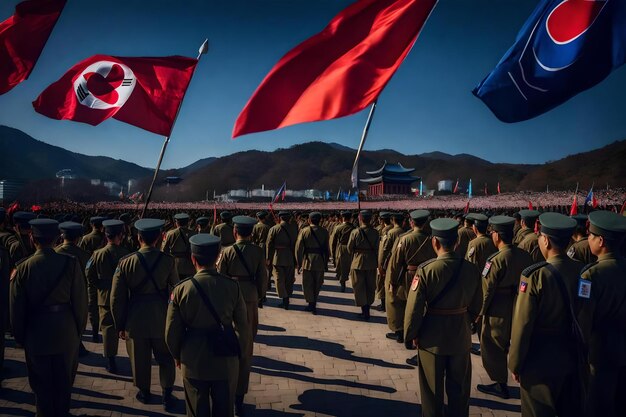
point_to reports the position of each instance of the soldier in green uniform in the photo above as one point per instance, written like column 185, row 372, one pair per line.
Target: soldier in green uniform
column 500, row 273
column 209, row 377
column 517, row 227
column 48, row 309
column 5, row 234
column 71, row 233
column 312, row 252
column 542, row 356
column 443, row 300
column 363, row 247
column 387, row 243
column 259, row 238
column 339, row 248
column 176, row 243
column 99, row 272
column 19, row 245
column 224, row 230
column 580, row 250
column 384, row 228
column 95, row 239
column 202, row 225
column 130, row 239
column 244, row 262
column 5, row 268
column 602, row 297
column 530, row 241
column 280, row 256
column 139, row 296
column 466, row 235
column 411, row 250
column 526, row 225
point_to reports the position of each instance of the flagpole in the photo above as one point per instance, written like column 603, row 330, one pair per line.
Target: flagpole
column 203, row 50
column 355, row 166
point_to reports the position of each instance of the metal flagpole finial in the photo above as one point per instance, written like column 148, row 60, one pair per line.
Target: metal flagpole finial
column 204, row 48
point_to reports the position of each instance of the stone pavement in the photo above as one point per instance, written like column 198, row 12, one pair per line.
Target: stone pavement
column 332, row 364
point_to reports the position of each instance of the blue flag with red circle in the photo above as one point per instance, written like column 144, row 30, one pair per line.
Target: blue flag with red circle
column 564, row 48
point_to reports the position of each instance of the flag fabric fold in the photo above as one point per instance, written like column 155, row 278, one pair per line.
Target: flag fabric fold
column 143, row 92
column 338, row 71
column 22, row 38
column 564, row 48
column 280, row 193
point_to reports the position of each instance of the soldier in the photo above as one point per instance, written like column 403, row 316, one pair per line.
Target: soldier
column 224, row 230
column 466, row 234
column 542, row 356
column 95, row 239
column 339, row 248
column 196, row 306
column 517, row 227
column 139, row 296
column 19, row 245
column 71, row 233
column 411, row 250
column 580, row 250
column 387, row 243
column 526, row 225
column 602, row 294
column 500, row 273
column 5, row 235
column 202, row 225
column 259, row 238
column 48, row 305
column 444, row 290
column 363, row 247
column 99, row 271
column 312, row 258
column 5, row 268
column 530, row 241
column 176, row 243
column 130, row 239
column 280, row 256
column 244, row 262
column 385, row 226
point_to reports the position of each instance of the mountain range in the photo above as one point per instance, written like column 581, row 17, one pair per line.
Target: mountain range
column 317, row 165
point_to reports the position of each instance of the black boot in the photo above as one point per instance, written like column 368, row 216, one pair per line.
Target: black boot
column 497, row 388
column 111, row 365
column 366, row 312
column 412, row 361
column 314, row 308
column 82, row 351
column 143, row 396
column 285, row 303
column 239, row 406
column 95, row 337
column 168, row 399
column 343, row 286
column 381, row 307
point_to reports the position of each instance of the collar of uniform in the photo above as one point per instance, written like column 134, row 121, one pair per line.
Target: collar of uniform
column 583, row 238
column 559, row 257
column 243, row 241
column 45, row 251
column 146, row 249
column 447, row 255
column 208, row 271
column 507, row 246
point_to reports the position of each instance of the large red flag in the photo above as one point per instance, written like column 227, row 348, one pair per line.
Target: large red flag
column 23, row 37
column 574, row 209
column 143, row 92
column 339, row 71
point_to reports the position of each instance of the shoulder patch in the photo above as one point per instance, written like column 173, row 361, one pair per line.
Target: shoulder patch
column 571, row 252
column 526, row 272
column 486, row 268
column 584, row 288
column 523, row 286
column 471, row 251
column 415, row 283
column 13, row 274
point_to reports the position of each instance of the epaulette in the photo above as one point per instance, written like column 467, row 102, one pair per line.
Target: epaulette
column 181, row 281
column 526, row 272
column 423, row 264
column 493, row 255
column 127, row 256
column 588, row 266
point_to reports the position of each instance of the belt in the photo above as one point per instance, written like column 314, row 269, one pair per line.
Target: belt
column 54, row 308
column 446, row 311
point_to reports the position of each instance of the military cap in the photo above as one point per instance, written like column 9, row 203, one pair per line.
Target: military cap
column 366, row 214
column 346, row 213
column 23, row 217
column 502, row 223
column 244, row 223
column 44, row 228
column 557, row 225
column 97, row 220
column 3, row 214
column 226, row 215
column 607, row 224
column 71, row 230
column 283, row 213
column 181, row 216
column 261, row 214
column 419, row 214
column 477, row 218
column 384, row 215
column 581, row 219
column 149, row 225
column 445, row 228
column 113, row 227
column 125, row 217
column 315, row 215
column 398, row 216
column 202, row 221
column 204, row 244
column 529, row 214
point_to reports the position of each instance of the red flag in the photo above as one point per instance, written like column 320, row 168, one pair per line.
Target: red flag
column 23, row 37
column 143, row 92
column 530, row 205
column 594, row 201
column 456, row 187
column 12, row 209
column 466, row 210
column 339, row 71
column 498, row 188
column 574, row 209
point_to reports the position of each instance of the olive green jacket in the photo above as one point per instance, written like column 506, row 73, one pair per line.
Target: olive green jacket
column 363, row 247
column 281, row 244
column 252, row 287
column 309, row 254
column 99, row 272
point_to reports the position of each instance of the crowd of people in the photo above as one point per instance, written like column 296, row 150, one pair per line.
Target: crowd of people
column 544, row 291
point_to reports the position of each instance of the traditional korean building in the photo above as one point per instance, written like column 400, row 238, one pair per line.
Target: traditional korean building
column 389, row 179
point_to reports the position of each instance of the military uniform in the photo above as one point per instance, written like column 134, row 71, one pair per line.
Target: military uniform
column 224, row 230
column 412, row 249
column 139, row 296
column 19, row 244
column 380, row 277
column 580, row 251
column 339, row 248
column 520, row 235
column 363, row 247
column 530, row 244
column 280, row 252
column 209, row 380
column 443, row 299
column 466, row 235
column 176, row 243
column 245, row 262
column 601, row 296
column 5, row 269
column 312, row 256
column 99, row 273
column 95, row 239
column 543, row 349
column 48, row 303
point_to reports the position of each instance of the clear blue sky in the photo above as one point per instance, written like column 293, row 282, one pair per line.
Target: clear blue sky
column 427, row 106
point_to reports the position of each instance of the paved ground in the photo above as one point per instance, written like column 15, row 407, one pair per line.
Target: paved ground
column 331, row 364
